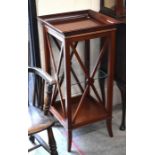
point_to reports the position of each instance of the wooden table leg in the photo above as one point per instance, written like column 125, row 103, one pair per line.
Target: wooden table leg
column 111, row 56
column 67, row 63
column 46, row 52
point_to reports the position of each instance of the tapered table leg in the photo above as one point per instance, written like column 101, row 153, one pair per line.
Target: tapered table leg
column 111, row 56
column 67, row 63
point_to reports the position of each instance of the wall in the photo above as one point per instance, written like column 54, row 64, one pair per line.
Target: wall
column 55, row 6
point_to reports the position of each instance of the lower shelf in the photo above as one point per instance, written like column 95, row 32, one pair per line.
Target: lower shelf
column 90, row 112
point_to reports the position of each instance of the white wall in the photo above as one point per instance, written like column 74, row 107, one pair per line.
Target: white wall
column 57, row 6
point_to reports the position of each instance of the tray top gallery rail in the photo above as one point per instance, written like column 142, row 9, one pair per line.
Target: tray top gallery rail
column 78, row 22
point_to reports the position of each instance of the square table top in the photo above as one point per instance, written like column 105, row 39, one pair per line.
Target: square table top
column 77, row 22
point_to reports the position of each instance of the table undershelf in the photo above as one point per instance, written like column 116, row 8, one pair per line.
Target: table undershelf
column 91, row 111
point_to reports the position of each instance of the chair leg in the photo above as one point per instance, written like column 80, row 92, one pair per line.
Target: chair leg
column 69, row 140
column 122, row 88
column 122, row 126
column 51, row 141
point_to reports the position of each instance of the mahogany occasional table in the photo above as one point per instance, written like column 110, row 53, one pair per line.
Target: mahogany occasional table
column 67, row 29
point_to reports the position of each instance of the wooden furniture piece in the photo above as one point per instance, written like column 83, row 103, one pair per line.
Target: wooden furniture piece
column 67, row 30
column 33, row 40
column 117, row 10
column 113, row 8
column 39, row 120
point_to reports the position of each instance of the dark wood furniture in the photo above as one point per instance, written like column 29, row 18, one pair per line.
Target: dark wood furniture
column 118, row 11
column 38, row 119
column 33, row 40
column 113, row 8
column 67, row 30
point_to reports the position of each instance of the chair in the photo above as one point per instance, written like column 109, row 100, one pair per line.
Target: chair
column 39, row 119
